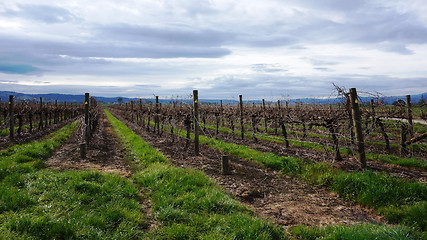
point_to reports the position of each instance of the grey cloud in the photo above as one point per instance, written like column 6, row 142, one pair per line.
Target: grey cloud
column 352, row 5
column 375, row 27
column 268, row 68
column 397, row 48
column 42, row 13
column 175, row 35
column 7, row 81
column 322, row 69
column 104, row 91
column 105, row 49
column 320, row 62
column 260, row 86
column 261, row 40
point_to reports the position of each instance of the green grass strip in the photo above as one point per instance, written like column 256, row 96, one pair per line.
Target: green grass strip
column 6, row 132
column 30, row 157
column 387, row 158
column 69, row 205
column 187, row 203
column 40, row 204
column 364, row 231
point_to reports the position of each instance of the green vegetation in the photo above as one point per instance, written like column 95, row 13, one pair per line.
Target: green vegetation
column 69, row 205
column 366, row 231
column 6, row 131
column 186, row 203
column 387, row 158
column 30, row 157
column 40, row 204
column 399, row 201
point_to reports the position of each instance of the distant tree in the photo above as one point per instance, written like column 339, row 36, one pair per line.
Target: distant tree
column 399, row 102
column 120, row 100
column 422, row 101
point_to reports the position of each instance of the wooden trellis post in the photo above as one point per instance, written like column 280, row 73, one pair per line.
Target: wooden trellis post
column 87, row 125
column 196, row 122
column 225, row 165
column 241, row 117
column 11, row 119
column 265, row 115
column 41, row 113
column 157, row 117
column 409, row 114
column 358, row 125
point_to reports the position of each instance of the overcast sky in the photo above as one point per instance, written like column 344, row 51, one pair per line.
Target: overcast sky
column 262, row 49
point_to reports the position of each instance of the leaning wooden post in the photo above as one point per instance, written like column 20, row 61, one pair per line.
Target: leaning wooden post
column 157, row 117
column 82, row 150
column 41, row 113
column 11, row 119
column 374, row 118
column 196, row 121
column 358, row 125
column 87, row 130
column 55, row 113
column 225, row 165
column 221, row 114
column 409, row 115
column 64, row 113
column 265, row 115
column 241, row 117
column 141, row 121
column 403, row 132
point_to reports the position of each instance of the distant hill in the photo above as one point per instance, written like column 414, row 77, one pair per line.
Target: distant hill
column 386, row 99
column 51, row 97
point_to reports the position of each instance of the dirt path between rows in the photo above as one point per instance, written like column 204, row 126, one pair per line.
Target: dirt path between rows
column 103, row 154
column 272, row 195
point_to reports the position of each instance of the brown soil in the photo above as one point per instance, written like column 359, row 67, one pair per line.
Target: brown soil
column 270, row 194
column 104, row 153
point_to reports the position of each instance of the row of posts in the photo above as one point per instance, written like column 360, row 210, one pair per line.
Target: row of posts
column 356, row 118
column 225, row 163
column 12, row 116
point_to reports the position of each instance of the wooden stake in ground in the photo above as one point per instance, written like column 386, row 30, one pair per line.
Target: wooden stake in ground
column 157, row 117
column 403, row 132
column 87, row 130
column 264, row 114
column 196, row 122
column 241, row 116
column 41, row 113
column 409, row 115
column 358, row 125
column 225, row 165
column 11, row 119
column 82, row 150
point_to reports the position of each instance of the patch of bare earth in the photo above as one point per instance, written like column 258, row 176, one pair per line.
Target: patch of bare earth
column 270, row 194
column 104, row 153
